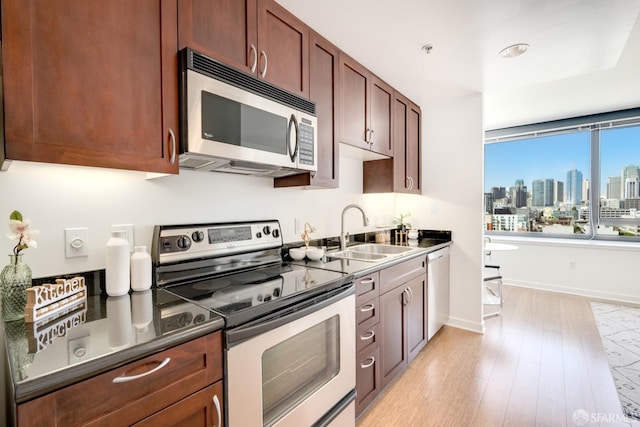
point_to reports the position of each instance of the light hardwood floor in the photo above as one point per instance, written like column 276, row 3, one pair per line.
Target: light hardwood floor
column 537, row 363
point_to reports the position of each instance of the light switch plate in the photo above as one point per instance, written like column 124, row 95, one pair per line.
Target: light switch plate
column 76, row 242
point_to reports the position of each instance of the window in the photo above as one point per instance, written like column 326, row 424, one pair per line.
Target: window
column 543, row 179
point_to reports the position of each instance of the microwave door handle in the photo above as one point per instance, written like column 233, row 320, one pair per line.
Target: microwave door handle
column 293, row 122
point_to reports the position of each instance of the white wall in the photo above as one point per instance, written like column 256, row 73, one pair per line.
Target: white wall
column 452, row 185
column 593, row 269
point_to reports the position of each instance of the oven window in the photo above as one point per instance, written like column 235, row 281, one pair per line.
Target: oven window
column 294, row 369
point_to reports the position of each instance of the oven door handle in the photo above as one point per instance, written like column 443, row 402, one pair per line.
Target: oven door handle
column 242, row 333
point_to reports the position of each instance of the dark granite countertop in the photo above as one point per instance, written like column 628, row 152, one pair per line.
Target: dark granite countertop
column 108, row 332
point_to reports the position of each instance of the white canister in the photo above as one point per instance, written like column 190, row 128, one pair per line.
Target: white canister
column 140, row 269
column 117, row 264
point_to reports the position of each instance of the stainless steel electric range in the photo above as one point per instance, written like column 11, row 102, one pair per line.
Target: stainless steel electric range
column 289, row 329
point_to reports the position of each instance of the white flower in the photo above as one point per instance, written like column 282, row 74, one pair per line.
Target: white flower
column 19, row 228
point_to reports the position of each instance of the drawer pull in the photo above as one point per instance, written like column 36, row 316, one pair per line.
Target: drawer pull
column 135, row 377
column 367, row 336
column 216, row 403
column 367, row 281
column 370, row 364
column 366, row 308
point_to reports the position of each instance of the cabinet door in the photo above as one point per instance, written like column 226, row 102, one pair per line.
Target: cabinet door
column 222, row 29
column 201, row 409
column 401, row 181
column 324, row 90
column 354, row 110
column 414, row 148
column 393, row 345
column 381, row 117
column 91, row 83
column 283, row 48
column 416, row 316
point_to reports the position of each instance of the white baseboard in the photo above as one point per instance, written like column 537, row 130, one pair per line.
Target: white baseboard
column 590, row 293
column 467, row 325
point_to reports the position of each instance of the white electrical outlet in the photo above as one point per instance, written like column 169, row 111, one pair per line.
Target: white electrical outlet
column 127, row 228
column 76, row 242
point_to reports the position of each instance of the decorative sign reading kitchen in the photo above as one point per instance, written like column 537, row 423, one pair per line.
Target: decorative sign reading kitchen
column 46, row 300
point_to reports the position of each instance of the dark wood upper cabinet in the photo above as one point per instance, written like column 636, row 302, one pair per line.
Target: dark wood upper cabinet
column 324, row 89
column 226, row 30
column 256, row 36
column 91, row 83
column 366, row 108
column 403, row 172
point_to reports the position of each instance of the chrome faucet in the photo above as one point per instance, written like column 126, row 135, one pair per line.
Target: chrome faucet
column 343, row 236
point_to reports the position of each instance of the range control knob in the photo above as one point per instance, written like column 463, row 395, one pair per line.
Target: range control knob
column 258, row 235
column 197, row 236
column 275, row 233
column 183, row 242
column 266, row 230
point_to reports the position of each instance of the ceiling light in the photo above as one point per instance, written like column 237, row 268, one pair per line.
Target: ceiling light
column 514, row 50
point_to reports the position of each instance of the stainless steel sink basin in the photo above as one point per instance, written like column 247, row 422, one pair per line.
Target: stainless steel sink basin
column 381, row 249
column 372, row 252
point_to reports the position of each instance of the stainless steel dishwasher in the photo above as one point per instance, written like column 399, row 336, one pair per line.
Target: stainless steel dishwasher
column 437, row 290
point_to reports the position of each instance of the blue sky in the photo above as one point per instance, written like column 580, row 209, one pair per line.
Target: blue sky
column 553, row 156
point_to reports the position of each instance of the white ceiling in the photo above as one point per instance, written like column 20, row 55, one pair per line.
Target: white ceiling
column 584, row 56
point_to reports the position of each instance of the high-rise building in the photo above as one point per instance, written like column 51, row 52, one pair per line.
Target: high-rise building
column 585, row 190
column 548, row 192
column 519, row 194
column 573, row 191
column 614, row 188
column 558, row 191
column 498, row 193
column 629, row 172
column 537, row 193
column 631, row 188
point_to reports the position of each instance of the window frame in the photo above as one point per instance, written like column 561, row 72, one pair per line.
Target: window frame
column 594, row 123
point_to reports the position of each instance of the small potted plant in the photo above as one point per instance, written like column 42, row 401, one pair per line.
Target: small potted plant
column 400, row 221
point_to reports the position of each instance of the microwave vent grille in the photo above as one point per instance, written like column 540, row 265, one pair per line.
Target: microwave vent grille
column 219, row 71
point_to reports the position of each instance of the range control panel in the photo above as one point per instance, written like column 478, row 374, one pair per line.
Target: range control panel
column 187, row 242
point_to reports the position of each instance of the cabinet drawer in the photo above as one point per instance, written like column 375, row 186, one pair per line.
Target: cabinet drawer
column 368, row 381
column 368, row 314
column 367, row 337
column 99, row 401
column 398, row 274
column 367, row 287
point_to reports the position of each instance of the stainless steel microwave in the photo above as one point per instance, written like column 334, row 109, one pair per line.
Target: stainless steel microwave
column 233, row 122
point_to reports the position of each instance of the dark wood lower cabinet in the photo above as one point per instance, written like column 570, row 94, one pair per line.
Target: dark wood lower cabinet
column 391, row 322
column 201, row 409
column 182, row 389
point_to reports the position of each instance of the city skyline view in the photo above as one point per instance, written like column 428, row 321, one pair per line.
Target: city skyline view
column 552, row 157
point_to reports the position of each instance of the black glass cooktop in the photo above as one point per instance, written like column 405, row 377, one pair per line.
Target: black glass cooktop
column 250, row 294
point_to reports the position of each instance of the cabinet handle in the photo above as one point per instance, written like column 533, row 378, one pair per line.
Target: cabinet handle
column 172, row 160
column 254, row 54
column 367, row 281
column 366, row 308
column 410, row 293
column 410, row 183
column 366, row 135
column 216, row 403
column 405, row 297
column 370, row 364
column 125, row 379
column 369, row 335
column 373, row 137
column 266, row 63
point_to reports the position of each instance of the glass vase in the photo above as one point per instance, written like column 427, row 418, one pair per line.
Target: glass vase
column 15, row 278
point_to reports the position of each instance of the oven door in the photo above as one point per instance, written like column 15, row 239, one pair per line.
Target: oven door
column 296, row 368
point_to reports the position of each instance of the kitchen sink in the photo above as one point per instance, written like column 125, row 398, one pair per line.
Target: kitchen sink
column 372, row 252
column 381, row 249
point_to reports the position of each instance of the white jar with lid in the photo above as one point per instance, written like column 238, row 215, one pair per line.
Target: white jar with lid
column 117, row 264
column 140, row 269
